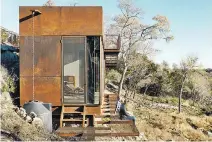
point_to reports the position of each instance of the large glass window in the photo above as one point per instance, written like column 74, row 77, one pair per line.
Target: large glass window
column 74, row 69
column 81, row 70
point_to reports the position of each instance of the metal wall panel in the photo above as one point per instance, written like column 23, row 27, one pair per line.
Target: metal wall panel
column 47, row 56
column 50, row 21
column 79, row 20
column 25, row 19
column 47, row 89
column 84, row 21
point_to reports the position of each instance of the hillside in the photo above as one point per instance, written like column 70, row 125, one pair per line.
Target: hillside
column 13, row 127
column 161, row 121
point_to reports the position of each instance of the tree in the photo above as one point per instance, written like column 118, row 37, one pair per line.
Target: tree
column 199, row 86
column 4, row 35
column 187, row 68
column 9, row 37
column 134, row 33
column 49, row 3
column 138, row 75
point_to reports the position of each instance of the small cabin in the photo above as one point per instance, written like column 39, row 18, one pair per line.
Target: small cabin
column 67, row 66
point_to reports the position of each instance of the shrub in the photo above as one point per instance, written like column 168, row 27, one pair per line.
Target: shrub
column 113, row 75
column 7, row 82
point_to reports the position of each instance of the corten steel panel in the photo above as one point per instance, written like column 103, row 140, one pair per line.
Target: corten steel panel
column 81, row 20
column 64, row 20
column 47, row 56
column 50, row 21
column 47, row 89
column 25, row 57
column 25, row 27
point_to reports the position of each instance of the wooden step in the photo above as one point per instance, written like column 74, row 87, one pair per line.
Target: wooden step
column 109, row 103
column 111, row 99
column 73, row 113
column 74, row 131
column 115, row 122
column 65, row 129
column 108, row 107
column 118, row 134
column 73, row 109
column 68, row 120
column 111, row 95
column 105, row 111
column 103, row 115
column 108, row 116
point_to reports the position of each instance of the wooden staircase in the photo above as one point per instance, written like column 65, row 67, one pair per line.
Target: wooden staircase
column 110, row 118
column 77, row 114
column 73, row 114
column 109, row 103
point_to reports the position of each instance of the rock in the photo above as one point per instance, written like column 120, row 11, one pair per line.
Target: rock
column 140, row 137
column 112, row 86
column 6, row 96
column 161, row 105
column 209, row 133
column 37, row 122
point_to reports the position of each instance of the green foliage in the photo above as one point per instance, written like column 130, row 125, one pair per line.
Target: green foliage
column 7, row 82
column 113, row 75
column 4, row 35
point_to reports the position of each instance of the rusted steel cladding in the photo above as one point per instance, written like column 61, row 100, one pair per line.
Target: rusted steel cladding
column 47, row 56
column 47, row 89
column 62, row 20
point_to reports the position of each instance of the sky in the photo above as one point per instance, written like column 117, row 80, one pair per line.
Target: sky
column 190, row 20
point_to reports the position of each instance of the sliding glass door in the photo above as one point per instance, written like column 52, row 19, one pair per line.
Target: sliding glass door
column 81, row 70
column 74, row 70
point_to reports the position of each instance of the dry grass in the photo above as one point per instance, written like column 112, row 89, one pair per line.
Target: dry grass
column 167, row 124
column 13, row 123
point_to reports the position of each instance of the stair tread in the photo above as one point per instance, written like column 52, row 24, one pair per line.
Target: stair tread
column 73, row 112
column 73, row 119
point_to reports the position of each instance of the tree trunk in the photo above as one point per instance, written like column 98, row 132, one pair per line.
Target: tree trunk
column 122, row 80
column 134, row 93
column 181, row 92
column 146, row 88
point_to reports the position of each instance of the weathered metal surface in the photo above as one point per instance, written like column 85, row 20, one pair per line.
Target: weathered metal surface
column 50, row 25
column 50, row 21
column 83, row 20
column 47, row 56
column 47, row 89
column 25, row 18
